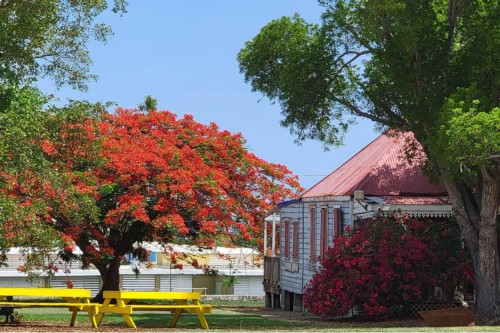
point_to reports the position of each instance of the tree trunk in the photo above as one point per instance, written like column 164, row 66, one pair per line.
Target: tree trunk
column 110, row 274
column 478, row 224
column 488, row 270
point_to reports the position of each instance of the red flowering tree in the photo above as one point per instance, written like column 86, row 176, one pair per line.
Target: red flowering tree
column 133, row 177
column 387, row 262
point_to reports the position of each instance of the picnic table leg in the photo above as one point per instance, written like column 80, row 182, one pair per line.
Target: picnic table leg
column 175, row 318
column 101, row 314
column 128, row 319
column 201, row 317
column 91, row 316
column 126, row 316
column 73, row 317
column 92, row 311
column 99, row 318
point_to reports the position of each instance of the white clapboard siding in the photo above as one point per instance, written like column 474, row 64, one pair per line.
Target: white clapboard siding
column 184, row 282
column 249, row 286
column 15, row 260
column 168, row 282
column 179, row 282
column 14, row 282
column 142, row 282
column 80, row 282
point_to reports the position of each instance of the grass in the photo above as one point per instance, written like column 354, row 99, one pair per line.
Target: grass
column 239, row 317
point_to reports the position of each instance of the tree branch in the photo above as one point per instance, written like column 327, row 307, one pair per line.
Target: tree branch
column 357, row 111
column 357, row 55
column 454, row 9
column 360, row 40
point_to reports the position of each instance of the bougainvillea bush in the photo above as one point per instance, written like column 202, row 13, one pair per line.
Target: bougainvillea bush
column 388, row 261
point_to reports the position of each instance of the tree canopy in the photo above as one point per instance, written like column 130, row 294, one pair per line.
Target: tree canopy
column 394, row 62
column 21, row 124
column 430, row 67
column 48, row 38
column 118, row 180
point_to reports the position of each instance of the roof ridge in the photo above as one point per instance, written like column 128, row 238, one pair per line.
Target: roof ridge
column 380, row 168
column 343, row 164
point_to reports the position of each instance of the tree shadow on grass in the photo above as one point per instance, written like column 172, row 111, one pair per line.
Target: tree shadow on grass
column 226, row 320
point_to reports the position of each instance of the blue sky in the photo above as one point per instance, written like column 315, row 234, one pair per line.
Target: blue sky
column 184, row 54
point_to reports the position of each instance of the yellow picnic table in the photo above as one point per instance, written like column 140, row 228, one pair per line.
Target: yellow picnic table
column 175, row 302
column 74, row 299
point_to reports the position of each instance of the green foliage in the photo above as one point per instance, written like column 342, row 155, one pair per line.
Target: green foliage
column 47, row 38
column 468, row 134
column 394, row 62
column 291, row 62
column 26, row 121
column 21, row 119
column 150, row 103
column 414, row 66
column 229, row 280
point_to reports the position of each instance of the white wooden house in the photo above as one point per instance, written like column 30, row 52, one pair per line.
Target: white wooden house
column 378, row 179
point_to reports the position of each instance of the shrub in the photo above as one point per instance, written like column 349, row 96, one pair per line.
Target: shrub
column 388, row 261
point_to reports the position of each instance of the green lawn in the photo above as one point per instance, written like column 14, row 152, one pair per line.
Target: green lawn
column 239, row 318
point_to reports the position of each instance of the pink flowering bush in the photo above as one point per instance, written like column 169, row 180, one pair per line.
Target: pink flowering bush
column 387, row 262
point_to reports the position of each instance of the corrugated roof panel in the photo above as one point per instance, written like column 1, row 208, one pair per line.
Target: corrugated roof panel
column 381, row 168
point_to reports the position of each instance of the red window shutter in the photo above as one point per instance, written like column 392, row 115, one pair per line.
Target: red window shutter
column 295, row 240
column 324, row 232
column 337, row 222
column 287, row 239
column 312, row 240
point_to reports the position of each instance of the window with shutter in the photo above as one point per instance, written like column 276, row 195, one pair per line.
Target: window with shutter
column 337, row 222
column 295, row 253
column 324, row 232
column 312, row 240
column 286, row 251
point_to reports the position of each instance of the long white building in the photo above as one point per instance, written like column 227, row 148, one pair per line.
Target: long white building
column 243, row 263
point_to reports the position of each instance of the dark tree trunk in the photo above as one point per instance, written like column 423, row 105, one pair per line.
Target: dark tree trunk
column 478, row 224
column 110, row 274
column 488, row 270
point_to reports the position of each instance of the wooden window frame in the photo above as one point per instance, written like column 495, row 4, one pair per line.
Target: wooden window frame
column 312, row 239
column 324, row 232
column 286, row 250
column 337, row 222
column 295, row 235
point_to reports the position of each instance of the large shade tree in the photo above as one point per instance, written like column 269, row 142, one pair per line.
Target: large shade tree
column 45, row 39
column 145, row 176
column 21, row 124
column 430, row 67
column 48, row 38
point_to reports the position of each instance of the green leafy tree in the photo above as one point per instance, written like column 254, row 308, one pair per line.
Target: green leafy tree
column 38, row 39
column 107, row 183
column 47, row 38
column 420, row 66
column 21, row 124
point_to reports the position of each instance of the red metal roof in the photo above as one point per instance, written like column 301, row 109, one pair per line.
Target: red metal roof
column 380, row 169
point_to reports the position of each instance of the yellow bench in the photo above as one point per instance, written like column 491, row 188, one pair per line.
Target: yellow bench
column 182, row 302
column 74, row 299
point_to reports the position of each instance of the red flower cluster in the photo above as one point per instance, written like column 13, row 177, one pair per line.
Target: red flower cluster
column 387, row 262
column 118, row 180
